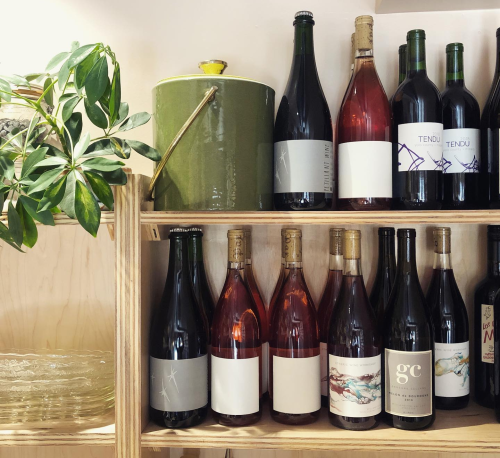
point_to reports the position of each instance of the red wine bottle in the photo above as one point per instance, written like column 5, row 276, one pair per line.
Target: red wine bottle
column 364, row 132
column 327, row 304
column 402, row 63
column 236, row 345
column 294, row 360
column 497, row 358
column 354, row 348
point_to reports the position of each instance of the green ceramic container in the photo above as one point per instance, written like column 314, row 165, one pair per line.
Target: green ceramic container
column 225, row 159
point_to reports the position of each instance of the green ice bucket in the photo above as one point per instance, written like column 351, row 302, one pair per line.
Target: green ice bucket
column 216, row 136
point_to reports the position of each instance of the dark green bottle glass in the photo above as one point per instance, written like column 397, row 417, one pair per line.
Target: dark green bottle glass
column 402, row 63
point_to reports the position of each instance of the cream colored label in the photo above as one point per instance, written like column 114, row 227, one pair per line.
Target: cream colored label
column 487, row 336
column 420, row 146
column 451, row 369
column 461, row 151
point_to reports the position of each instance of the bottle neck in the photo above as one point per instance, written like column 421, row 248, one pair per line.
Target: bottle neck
column 231, row 265
column 493, row 258
column 195, row 250
column 336, row 262
column 497, row 65
column 386, row 251
column 407, row 263
column 442, row 261
column 303, row 40
column 293, row 265
column 402, row 67
column 178, row 263
column 455, row 68
column 415, row 60
column 352, row 267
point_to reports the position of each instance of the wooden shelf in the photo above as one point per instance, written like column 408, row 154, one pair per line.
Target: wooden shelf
column 470, row 430
column 61, row 219
column 425, row 6
column 332, row 218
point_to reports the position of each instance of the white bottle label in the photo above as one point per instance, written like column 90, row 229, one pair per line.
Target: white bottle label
column 355, row 386
column 365, row 169
column 461, row 151
column 265, row 367
column 487, row 334
column 420, row 146
column 303, row 166
column 178, row 385
column 296, row 384
column 451, row 369
column 235, row 385
column 323, row 355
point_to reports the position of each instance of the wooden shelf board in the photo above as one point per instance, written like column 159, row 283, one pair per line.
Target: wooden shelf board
column 470, row 430
column 425, row 6
column 337, row 218
column 104, row 435
column 61, row 219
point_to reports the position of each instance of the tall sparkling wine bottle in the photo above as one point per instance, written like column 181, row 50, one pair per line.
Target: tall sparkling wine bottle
column 294, row 359
column 354, row 348
column 364, row 132
column 484, row 299
column 461, row 137
column 303, row 135
column 327, row 304
column 409, row 346
column 281, row 278
column 178, row 362
column 236, row 345
column 254, row 290
column 451, row 328
column 386, row 272
column 417, row 151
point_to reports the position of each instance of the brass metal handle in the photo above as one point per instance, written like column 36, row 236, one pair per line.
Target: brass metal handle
column 209, row 96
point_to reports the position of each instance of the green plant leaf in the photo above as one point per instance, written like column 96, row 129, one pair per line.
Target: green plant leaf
column 83, row 68
column 5, row 88
column 97, row 80
column 144, row 150
column 68, row 202
column 87, row 209
column 44, row 180
column 56, row 60
column 122, row 113
column 135, row 121
column 7, row 237
column 30, row 232
column 79, row 55
column 81, row 147
column 115, row 95
column 34, row 76
column 102, row 164
column 100, row 148
column 16, row 79
column 117, row 177
column 6, row 168
column 96, row 115
column 74, row 46
column 68, row 108
column 49, row 97
column 62, row 76
column 53, row 195
column 56, row 160
column 66, row 96
column 31, row 206
column 122, row 149
column 34, row 158
column 101, row 188
column 74, row 125
column 15, row 227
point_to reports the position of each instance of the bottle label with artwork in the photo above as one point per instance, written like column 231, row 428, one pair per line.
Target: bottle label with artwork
column 355, row 386
column 487, row 337
column 461, row 151
column 408, row 383
column 452, row 369
column 178, row 385
column 303, row 166
column 420, row 146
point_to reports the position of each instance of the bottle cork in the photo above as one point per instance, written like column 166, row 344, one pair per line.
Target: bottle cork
column 352, row 244
column 364, row 32
column 236, row 245
column 337, row 241
column 442, row 240
column 293, row 245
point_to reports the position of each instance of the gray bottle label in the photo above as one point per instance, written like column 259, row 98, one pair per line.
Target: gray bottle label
column 178, row 385
column 408, row 383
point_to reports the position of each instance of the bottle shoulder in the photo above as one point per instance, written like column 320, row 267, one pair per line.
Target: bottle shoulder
column 460, row 109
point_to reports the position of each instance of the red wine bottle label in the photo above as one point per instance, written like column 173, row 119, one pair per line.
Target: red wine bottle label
column 178, row 385
column 265, row 367
column 408, row 383
column 235, row 385
column 451, row 369
column 355, row 386
column 323, row 355
column 487, row 335
column 296, row 384
column 420, row 146
column 365, row 170
column 303, row 166
column 461, row 151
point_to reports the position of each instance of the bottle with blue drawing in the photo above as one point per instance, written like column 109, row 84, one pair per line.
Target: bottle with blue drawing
column 417, row 152
column 461, row 137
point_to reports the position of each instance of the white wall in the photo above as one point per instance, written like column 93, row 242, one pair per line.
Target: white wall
column 154, row 39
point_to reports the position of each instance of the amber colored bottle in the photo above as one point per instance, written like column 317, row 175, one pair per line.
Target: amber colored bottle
column 327, row 304
column 236, row 345
column 294, row 360
column 281, row 278
column 254, row 290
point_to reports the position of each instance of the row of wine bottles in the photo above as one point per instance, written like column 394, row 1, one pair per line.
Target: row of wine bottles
column 422, row 150
column 397, row 352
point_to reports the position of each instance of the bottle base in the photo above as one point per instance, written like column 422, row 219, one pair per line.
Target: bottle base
column 409, row 423
column 443, row 403
column 353, row 424
column 175, row 420
column 299, row 201
column 237, row 420
column 400, row 204
column 295, row 419
column 364, row 204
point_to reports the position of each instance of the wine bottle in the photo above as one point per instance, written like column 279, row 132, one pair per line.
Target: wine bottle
column 354, row 348
column 497, row 357
column 364, row 132
column 488, row 155
column 402, row 63
column 254, row 290
column 281, row 278
column 409, row 346
column 294, row 360
column 417, row 135
column 461, row 137
column 327, row 304
column 451, row 328
column 303, row 135
column 386, row 272
column 178, row 362
column 236, row 345
column 484, row 299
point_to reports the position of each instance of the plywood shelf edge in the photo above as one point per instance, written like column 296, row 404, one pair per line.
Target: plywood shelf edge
column 61, row 219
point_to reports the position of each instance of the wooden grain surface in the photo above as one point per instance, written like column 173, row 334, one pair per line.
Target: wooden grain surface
column 58, row 452
column 107, row 217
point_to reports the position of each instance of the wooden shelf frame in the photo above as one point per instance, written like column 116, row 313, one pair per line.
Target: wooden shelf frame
column 61, row 219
